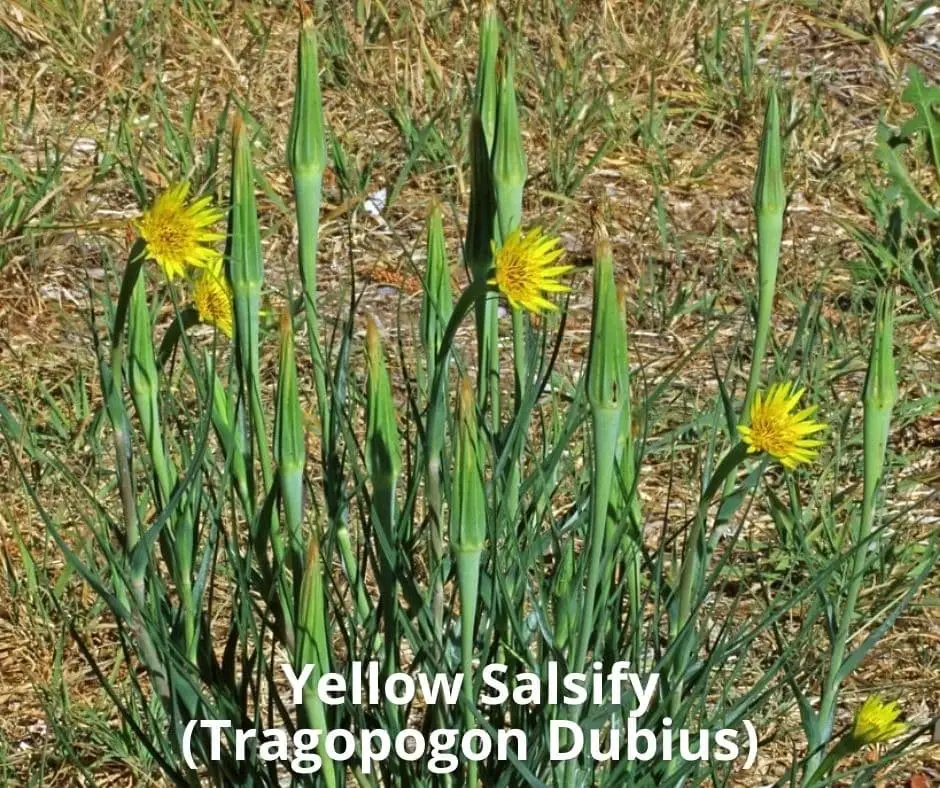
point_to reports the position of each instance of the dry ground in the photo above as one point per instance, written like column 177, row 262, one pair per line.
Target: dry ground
column 654, row 89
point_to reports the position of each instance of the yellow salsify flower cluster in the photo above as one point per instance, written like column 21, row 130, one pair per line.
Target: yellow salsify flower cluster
column 877, row 722
column 179, row 238
column 775, row 429
column 526, row 270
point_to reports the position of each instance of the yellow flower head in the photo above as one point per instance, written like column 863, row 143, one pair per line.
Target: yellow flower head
column 877, row 721
column 525, row 270
column 178, row 235
column 213, row 298
column 775, row 429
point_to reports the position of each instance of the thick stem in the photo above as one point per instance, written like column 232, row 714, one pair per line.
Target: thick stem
column 307, row 191
column 348, row 556
column 468, row 577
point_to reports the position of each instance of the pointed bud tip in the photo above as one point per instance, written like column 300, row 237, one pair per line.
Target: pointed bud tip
column 373, row 338
column 313, row 552
column 286, row 343
column 603, row 254
column 466, row 403
column 601, row 237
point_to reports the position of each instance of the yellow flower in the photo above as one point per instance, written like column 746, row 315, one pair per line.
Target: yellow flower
column 177, row 235
column 877, row 721
column 775, row 429
column 525, row 270
column 213, row 298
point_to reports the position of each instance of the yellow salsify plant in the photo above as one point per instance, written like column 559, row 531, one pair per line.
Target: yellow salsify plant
column 179, row 238
column 626, row 517
column 607, row 390
column 875, row 722
column 779, row 435
column 527, row 270
column 468, row 529
column 878, row 400
column 437, row 306
column 383, row 463
column 313, row 648
column 306, row 156
column 769, row 203
column 251, row 538
column 482, row 219
column 509, row 177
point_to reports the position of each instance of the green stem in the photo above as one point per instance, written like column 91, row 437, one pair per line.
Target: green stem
column 186, row 602
column 694, row 558
column 468, row 578
column 519, row 353
column 348, row 556
column 827, row 704
column 386, row 515
column 879, row 398
column 436, row 507
column 845, row 747
column 514, row 477
column 489, row 360
column 258, row 424
column 307, row 191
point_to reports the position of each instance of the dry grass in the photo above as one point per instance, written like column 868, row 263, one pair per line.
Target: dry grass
column 688, row 150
